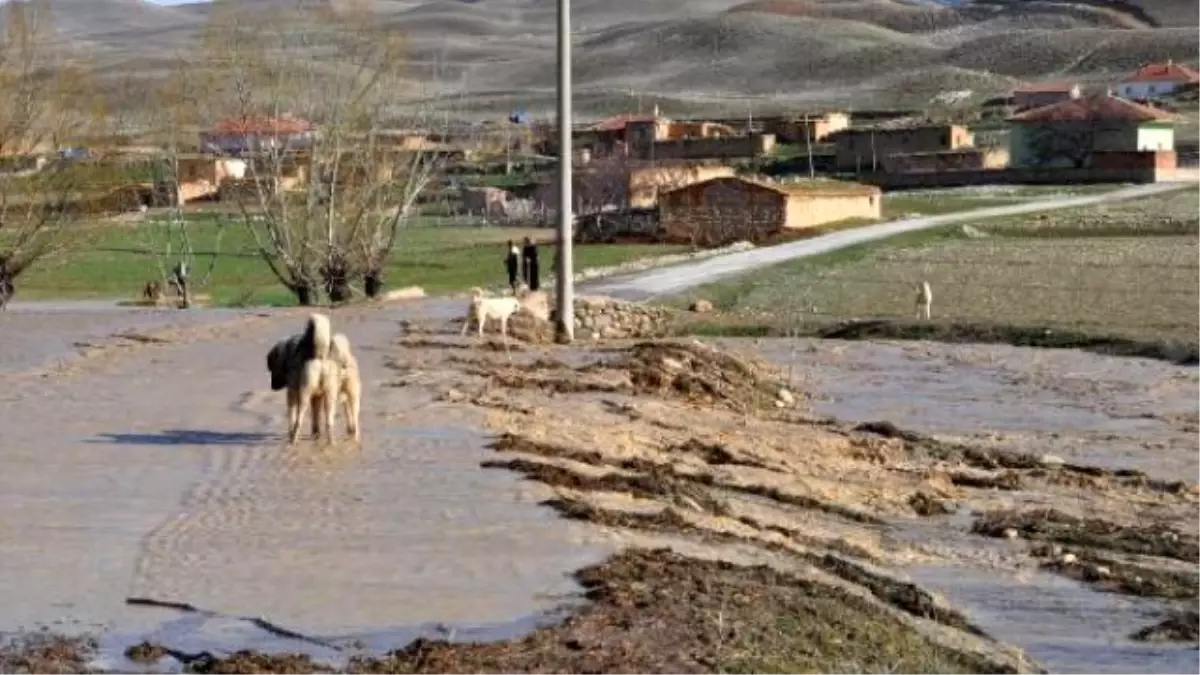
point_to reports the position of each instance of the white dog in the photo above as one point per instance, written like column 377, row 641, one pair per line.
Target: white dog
column 483, row 308
column 924, row 300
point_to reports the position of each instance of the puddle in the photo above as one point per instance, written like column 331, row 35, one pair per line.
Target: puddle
column 1084, row 407
column 1064, row 626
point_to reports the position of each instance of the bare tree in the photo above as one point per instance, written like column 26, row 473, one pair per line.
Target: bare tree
column 330, row 183
column 177, row 109
column 40, row 197
column 1071, row 143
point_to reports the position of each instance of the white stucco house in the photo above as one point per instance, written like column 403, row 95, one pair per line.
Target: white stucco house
column 1072, row 133
column 1156, row 79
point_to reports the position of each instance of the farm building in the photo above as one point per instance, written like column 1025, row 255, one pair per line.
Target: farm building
column 647, row 182
column 1071, row 134
column 723, row 210
column 865, row 149
column 806, row 128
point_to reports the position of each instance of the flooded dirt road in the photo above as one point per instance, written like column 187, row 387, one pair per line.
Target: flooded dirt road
column 1112, row 412
column 152, row 465
column 155, row 468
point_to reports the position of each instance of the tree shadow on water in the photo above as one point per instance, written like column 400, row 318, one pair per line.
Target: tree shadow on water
column 185, row 437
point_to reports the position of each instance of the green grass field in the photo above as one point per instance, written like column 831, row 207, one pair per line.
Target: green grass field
column 1127, row 269
column 117, row 260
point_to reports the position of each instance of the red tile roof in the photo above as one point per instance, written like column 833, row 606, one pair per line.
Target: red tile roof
column 1163, row 72
column 285, row 124
column 1098, row 107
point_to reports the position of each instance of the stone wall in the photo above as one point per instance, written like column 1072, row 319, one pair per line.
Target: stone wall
column 602, row 318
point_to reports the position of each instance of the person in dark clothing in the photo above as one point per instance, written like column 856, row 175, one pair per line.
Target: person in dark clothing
column 512, row 261
column 529, row 258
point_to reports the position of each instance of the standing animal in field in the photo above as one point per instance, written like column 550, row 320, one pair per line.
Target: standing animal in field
column 483, row 308
column 924, row 300
column 152, row 291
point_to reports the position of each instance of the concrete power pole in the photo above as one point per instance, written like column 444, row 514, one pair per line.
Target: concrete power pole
column 564, row 331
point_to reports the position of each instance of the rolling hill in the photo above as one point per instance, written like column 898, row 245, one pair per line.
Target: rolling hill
column 721, row 56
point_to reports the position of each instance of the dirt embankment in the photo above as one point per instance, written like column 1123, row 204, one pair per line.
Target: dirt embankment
column 1183, row 353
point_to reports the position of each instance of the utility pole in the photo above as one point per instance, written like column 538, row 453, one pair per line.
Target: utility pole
column 808, row 125
column 564, row 331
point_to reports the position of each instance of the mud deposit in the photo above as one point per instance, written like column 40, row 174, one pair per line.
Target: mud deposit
column 1118, row 428
column 926, row 531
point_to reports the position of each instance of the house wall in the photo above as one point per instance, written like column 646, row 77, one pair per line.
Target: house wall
column 1156, row 137
column 754, row 145
column 1147, row 161
column 1024, row 140
column 645, row 184
column 721, row 212
column 863, row 150
column 1146, row 90
column 952, row 160
column 804, row 211
column 814, row 129
column 677, row 130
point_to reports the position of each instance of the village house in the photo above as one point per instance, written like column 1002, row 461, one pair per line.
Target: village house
column 1100, row 129
column 806, row 128
column 1156, row 79
column 865, row 149
column 723, row 210
column 645, row 183
column 1045, row 93
column 199, row 176
column 239, row 135
column 655, row 137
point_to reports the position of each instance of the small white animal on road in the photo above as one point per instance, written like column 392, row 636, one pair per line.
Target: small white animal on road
column 924, row 300
column 483, row 308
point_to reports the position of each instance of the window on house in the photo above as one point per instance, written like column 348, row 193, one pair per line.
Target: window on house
column 1150, row 89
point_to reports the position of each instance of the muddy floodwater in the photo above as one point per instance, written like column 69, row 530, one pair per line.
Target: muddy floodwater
column 157, row 470
column 143, row 458
column 1120, row 413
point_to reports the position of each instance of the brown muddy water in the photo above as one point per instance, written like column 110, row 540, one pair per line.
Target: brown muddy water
column 159, row 471
column 1120, row 413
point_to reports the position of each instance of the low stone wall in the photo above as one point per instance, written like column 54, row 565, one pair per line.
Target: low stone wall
column 602, row 318
column 944, row 179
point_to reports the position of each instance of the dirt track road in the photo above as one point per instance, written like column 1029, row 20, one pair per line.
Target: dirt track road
column 668, row 280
